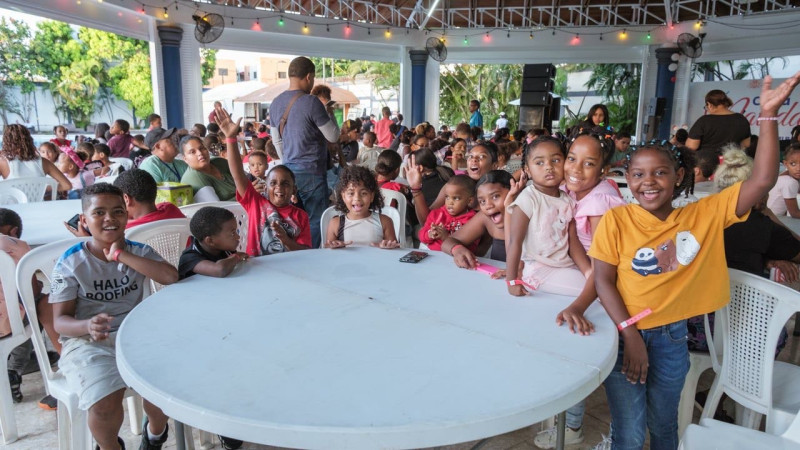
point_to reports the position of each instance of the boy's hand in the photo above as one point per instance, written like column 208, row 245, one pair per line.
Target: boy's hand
column 279, row 232
column 259, row 186
column 575, row 320
column 388, row 244
column 437, row 232
column 77, row 232
column 116, row 245
column 338, row 244
column 98, row 326
column 241, row 256
column 634, row 358
column 226, row 124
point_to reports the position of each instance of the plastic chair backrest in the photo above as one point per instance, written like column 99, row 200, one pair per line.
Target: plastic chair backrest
column 627, row 195
column 331, row 212
column 327, row 215
column 751, row 324
column 399, row 223
column 42, row 258
column 402, row 206
column 33, row 187
column 8, row 270
column 235, row 207
column 127, row 163
column 167, row 237
column 12, row 196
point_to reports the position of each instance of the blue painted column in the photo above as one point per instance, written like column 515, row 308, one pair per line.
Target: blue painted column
column 170, row 38
column 665, row 88
column 419, row 58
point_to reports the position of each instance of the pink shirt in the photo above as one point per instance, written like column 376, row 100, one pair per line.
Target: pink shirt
column 383, row 133
column 603, row 197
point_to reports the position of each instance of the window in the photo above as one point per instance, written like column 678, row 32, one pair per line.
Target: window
column 281, row 75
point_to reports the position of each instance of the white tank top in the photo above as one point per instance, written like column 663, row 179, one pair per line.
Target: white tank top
column 20, row 169
column 364, row 231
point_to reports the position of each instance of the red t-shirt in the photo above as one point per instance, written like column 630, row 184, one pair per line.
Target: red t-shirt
column 450, row 223
column 383, row 133
column 163, row 211
column 260, row 212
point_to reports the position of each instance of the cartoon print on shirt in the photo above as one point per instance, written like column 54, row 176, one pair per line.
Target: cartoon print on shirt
column 687, row 248
column 667, row 256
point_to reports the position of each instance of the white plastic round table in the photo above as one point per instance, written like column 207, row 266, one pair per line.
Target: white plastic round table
column 43, row 222
column 351, row 348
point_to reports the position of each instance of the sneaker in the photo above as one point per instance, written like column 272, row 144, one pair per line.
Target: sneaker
column 147, row 444
column 49, row 403
column 547, row 438
column 230, row 443
column 15, row 380
column 121, row 444
column 605, row 444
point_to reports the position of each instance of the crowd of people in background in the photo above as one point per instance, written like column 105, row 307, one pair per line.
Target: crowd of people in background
column 537, row 201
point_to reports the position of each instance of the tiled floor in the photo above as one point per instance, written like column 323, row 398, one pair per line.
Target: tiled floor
column 37, row 428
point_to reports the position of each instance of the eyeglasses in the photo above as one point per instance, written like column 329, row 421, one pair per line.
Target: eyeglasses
column 478, row 156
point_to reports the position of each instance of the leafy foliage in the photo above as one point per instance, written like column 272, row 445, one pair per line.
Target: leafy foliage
column 493, row 85
column 16, row 66
column 384, row 76
column 208, row 64
column 619, row 86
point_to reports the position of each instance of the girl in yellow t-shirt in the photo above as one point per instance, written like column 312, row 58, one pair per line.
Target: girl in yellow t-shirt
column 655, row 266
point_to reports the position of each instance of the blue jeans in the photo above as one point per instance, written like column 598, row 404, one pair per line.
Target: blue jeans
column 312, row 189
column 575, row 415
column 635, row 408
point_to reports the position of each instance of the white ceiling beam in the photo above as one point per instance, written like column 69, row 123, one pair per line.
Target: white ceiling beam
column 430, row 13
column 668, row 12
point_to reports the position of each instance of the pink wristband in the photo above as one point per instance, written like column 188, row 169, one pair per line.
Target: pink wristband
column 231, row 140
column 520, row 283
column 115, row 255
column 455, row 247
column 626, row 323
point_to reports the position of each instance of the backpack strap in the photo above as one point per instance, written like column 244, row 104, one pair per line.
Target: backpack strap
column 340, row 233
column 282, row 123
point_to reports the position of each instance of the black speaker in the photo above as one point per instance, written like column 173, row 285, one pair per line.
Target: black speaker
column 534, row 117
column 539, row 71
column 656, row 106
column 555, row 108
column 535, row 98
column 537, row 84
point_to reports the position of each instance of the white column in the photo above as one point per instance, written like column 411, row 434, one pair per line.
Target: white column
column 157, row 72
column 647, row 90
column 432, row 92
column 680, row 104
column 404, row 99
column 191, row 78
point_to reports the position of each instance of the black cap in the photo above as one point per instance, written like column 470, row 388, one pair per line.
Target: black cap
column 157, row 134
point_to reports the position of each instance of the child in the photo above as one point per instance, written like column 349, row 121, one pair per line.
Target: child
column 541, row 231
column 61, row 140
column 110, row 268
column 369, row 153
column 269, row 149
column 121, row 140
column 622, row 142
column 71, row 165
column 101, row 154
column 274, row 224
column 584, row 168
column 361, row 222
column 49, row 151
column 257, row 163
column 387, row 168
column 212, row 248
column 783, row 197
column 495, row 191
column 666, row 265
column 86, row 150
column 442, row 222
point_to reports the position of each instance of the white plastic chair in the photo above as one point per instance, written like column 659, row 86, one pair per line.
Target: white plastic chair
column 750, row 326
column 699, row 362
column 12, row 196
column 331, row 212
column 167, row 237
column 19, row 334
column 627, row 195
column 127, row 163
column 33, row 187
column 713, row 434
column 234, row 207
column 402, row 206
column 73, row 428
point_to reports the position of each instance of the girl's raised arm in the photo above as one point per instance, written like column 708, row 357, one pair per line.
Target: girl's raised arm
column 765, row 168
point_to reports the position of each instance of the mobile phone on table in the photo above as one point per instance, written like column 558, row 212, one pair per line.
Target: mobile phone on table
column 413, row 257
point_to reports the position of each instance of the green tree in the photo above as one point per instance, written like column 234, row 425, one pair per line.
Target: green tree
column 78, row 88
column 54, row 49
column 619, row 86
column 494, row 85
column 16, row 68
column 383, row 76
column 208, row 64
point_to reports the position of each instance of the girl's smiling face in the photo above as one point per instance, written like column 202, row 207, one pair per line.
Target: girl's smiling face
column 545, row 167
column 490, row 199
column 583, row 168
column 652, row 177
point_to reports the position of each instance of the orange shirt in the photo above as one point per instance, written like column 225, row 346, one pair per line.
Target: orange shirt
column 677, row 266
